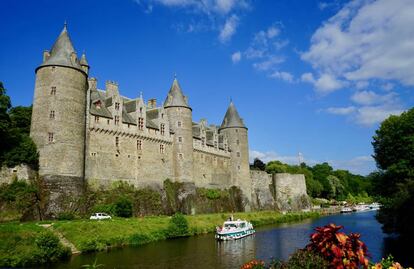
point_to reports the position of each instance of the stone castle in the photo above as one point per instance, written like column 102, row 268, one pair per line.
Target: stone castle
column 85, row 134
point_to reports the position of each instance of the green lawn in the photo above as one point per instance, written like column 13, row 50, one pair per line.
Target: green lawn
column 17, row 240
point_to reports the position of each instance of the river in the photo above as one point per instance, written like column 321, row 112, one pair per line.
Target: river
column 269, row 242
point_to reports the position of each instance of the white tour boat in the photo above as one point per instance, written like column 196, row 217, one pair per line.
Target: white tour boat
column 346, row 210
column 236, row 229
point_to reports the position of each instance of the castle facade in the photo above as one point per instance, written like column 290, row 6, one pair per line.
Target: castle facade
column 88, row 135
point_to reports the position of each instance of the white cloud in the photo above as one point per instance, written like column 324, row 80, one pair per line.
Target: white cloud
column 370, row 115
column 341, row 110
column 326, row 83
column 236, row 57
column 362, row 165
column 366, row 40
column 272, row 32
column 269, row 63
column 286, row 76
column 217, row 15
column 229, row 28
column 371, row 98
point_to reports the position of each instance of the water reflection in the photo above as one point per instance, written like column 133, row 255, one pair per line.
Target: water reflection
column 269, row 242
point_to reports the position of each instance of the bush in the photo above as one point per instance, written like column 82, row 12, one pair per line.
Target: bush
column 105, row 208
column 49, row 249
column 301, row 259
column 339, row 249
column 139, row 239
column 178, row 226
column 123, row 207
column 65, row 216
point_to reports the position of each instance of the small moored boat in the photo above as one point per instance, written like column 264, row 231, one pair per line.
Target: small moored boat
column 232, row 230
column 346, row 210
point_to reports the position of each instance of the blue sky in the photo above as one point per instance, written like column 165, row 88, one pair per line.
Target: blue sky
column 307, row 76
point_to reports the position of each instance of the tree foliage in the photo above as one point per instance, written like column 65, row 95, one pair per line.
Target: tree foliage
column 394, row 154
column 16, row 146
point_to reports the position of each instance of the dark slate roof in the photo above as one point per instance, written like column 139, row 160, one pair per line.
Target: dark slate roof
column 108, row 101
column 61, row 52
column 232, row 118
column 151, row 124
column 175, row 96
column 153, row 113
column 126, row 118
column 103, row 111
column 196, row 131
column 130, row 106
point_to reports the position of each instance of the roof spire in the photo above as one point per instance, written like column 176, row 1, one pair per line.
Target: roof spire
column 175, row 97
column 232, row 118
column 65, row 25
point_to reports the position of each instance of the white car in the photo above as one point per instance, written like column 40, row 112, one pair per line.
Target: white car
column 100, row 216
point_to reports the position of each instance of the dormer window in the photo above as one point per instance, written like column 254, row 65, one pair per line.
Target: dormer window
column 98, row 104
column 117, row 106
column 96, row 119
column 140, row 110
column 116, row 120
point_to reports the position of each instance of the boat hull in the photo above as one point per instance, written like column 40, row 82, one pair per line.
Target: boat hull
column 234, row 235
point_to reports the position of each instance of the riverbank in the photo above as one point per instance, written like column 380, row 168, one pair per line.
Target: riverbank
column 18, row 240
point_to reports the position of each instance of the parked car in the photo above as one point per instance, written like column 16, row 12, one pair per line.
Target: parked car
column 100, row 216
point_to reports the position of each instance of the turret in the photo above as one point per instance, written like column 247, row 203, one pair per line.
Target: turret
column 180, row 121
column 59, row 108
column 236, row 132
column 84, row 63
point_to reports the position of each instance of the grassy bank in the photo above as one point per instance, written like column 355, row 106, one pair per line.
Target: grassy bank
column 18, row 240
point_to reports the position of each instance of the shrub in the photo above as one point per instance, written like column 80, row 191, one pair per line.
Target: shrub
column 123, row 207
column 178, row 226
column 339, row 249
column 301, row 259
column 254, row 264
column 49, row 248
column 139, row 239
column 65, row 216
column 105, row 208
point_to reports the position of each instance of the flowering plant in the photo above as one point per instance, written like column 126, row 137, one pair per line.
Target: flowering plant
column 254, row 264
column 340, row 250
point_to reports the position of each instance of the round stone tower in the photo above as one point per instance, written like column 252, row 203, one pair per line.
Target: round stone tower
column 58, row 117
column 236, row 132
column 181, row 123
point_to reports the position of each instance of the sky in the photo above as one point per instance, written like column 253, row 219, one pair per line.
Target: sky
column 310, row 77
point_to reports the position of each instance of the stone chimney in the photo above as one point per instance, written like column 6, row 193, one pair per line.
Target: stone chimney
column 152, row 103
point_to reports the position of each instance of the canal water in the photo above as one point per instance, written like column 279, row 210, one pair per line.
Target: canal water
column 269, row 242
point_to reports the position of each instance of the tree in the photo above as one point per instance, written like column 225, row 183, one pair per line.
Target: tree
column 394, row 154
column 258, row 164
column 274, row 167
column 321, row 173
column 5, row 105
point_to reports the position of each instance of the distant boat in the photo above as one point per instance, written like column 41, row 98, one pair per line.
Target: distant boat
column 375, row 206
column 232, row 230
column 346, row 210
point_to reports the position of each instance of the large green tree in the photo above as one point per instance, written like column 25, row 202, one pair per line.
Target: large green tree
column 16, row 146
column 394, row 154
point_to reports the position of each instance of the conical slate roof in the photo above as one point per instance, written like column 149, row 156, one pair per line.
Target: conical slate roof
column 61, row 52
column 232, row 118
column 175, row 96
column 83, row 60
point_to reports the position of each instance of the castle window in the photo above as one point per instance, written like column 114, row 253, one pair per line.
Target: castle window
column 129, row 125
column 237, row 141
column 140, row 110
column 179, row 124
column 162, row 115
column 117, row 141
column 162, row 129
column 96, row 119
column 51, row 138
column 162, row 149
column 238, row 154
column 52, row 114
column 108, row 121
column 180, row 156
column 98, row 104
column 116, row 106
column 116, row 120
column 139, row 145
column 141, row 123
column 53, row 91
column 180, row 139
column 238, row 167
column 93, row 153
